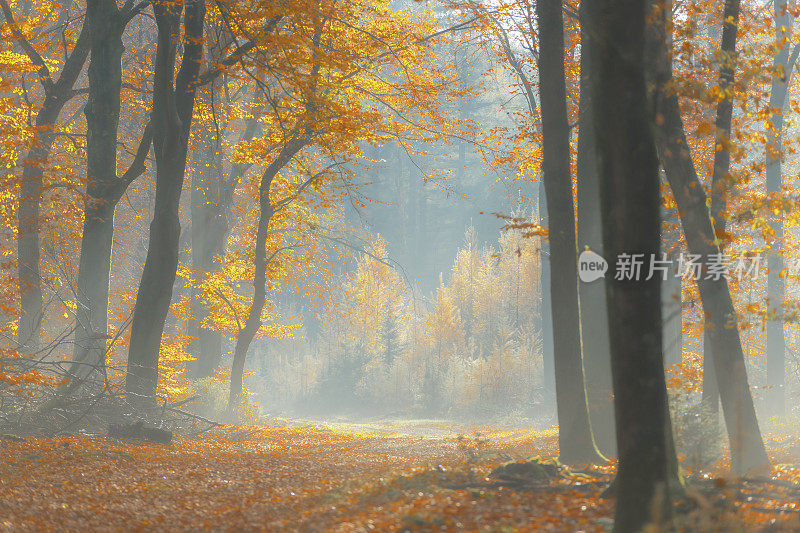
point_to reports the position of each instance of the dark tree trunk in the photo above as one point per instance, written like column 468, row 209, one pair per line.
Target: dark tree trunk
column 630, row 197
column 710, row 396
column 253, row 323
column 594, row 318
column 776, row 343
column 102, row 124
column 172, row 120
column 296, row 140
column 747, row 447
column 28, row 249
column 106, row 24
column 575, row 434
column 720, row 179
column 57, row 94
column 672, row 318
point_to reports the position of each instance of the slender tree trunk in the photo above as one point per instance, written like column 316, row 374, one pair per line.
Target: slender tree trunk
column 720, row 181
column 671, row 288
column 28, row 249
column 776, row 343
column 172, row 120
column 548, row 370
column 710, row 397
column 253, row 323
column 594, row 318
column 630, row 195
column 296, row 140
column 747, row 447
column 575, row 434
column 57, row 94
column 671, row 316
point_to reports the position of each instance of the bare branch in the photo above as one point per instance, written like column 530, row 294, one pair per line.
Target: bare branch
column 232, row 308
column 237, row 55
column 137, row 166
column 129, row 11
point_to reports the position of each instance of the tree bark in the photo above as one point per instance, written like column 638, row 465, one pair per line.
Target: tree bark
column 548, row 370
column 172, row 120
column 253, row 323
column 576, row 444
column 106, row 22
column 56, row 96
column 776, row 343
column 630, row 199
column 747, row 447
column 594, row 318
column 720, row 181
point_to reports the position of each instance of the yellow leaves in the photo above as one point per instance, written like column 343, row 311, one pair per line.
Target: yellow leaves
column 371, row 295
column 15, row 62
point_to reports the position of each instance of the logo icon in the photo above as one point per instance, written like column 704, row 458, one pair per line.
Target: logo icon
column 591, row 266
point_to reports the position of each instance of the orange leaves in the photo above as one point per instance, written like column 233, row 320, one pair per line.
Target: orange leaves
column 24, row 383
column 346, row 478
column 267, row 478
column 704, row 129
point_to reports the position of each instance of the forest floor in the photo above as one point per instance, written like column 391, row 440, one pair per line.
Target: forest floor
column 349, row 478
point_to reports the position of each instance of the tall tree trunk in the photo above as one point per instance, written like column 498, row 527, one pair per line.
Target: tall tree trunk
column 56, row 95
column 747, row 447
column 106, row 24
column 548, row 370
column 630, row 195
column 710, row 395
column 102, row 124
column 720, row 179
column 672, row 318
column 253, row 323
column 295, row 141
column 172, row 120
column 575, row 434
column 594, row 318
column 28, row 249
column 776, row 343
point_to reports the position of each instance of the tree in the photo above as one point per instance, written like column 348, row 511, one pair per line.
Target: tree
column 57, row 93
column 211, row 204
column 783, row 66
column 173, row 106
column 747, row 447
column 720, row 182
column 593, row 315
column 325, row 98
column 630, row 200
column 575, row 434
column 106, row 23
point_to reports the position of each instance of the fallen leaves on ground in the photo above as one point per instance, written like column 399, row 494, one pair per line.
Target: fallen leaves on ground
column 349, row 478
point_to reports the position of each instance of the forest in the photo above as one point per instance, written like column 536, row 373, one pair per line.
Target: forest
column 400, row 265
